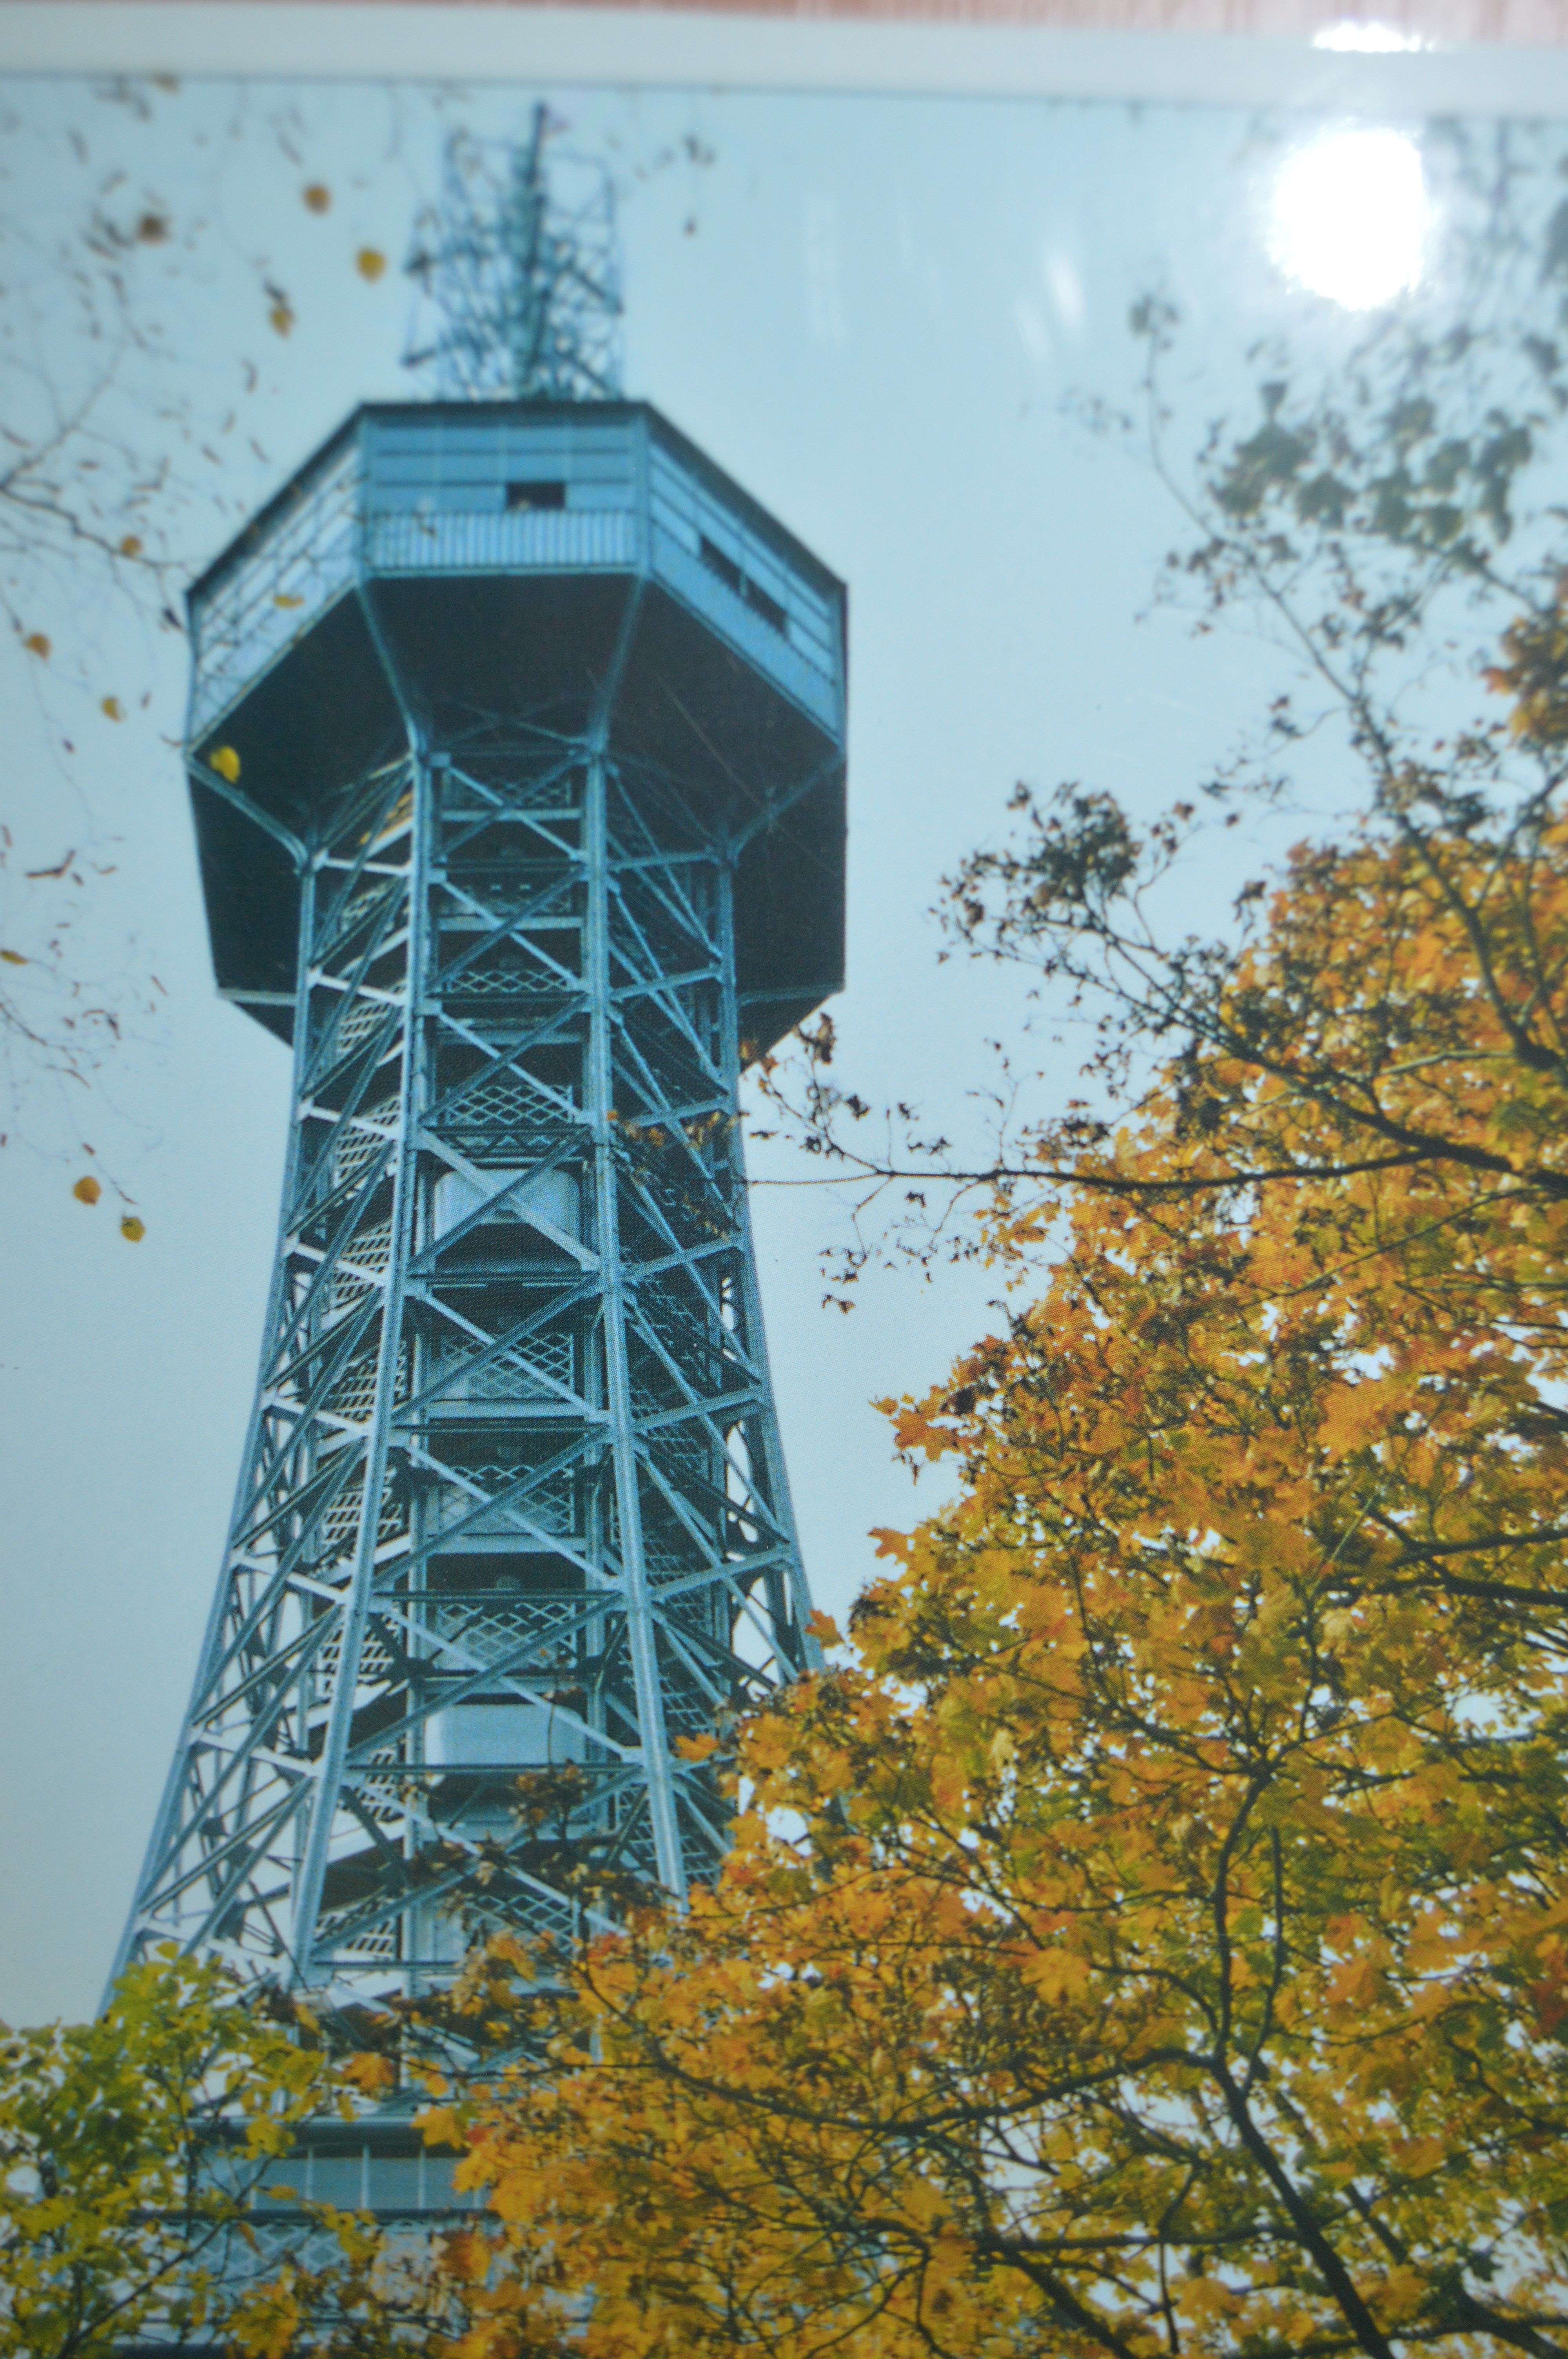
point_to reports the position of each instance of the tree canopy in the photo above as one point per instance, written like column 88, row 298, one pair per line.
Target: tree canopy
column 1150, row 1935
column 153, row 2182
column 129, row 2149
column 1153, row 1938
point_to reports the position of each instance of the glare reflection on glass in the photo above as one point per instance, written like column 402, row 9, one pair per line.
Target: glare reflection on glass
column 1350, row 217
column 1366, row 35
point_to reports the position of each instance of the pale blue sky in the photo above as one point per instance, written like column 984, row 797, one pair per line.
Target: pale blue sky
column 872, row 312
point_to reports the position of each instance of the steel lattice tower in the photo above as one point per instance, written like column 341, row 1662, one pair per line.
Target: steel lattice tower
column 517, row 757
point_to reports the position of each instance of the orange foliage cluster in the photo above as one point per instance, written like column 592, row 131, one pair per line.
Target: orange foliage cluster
column 1155, row 1938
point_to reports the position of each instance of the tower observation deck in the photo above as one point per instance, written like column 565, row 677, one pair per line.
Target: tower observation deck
column 516, row 752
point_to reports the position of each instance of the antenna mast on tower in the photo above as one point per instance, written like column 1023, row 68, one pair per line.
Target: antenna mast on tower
column 520, row 275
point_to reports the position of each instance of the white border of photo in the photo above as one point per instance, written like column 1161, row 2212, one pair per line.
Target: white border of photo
column 1358, row 66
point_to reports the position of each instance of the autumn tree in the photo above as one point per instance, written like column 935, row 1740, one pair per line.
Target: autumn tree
column 1151, row 1935
column 130, row 2148
column 152, row 2189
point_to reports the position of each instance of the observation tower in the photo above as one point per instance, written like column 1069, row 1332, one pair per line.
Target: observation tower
column 517, row 757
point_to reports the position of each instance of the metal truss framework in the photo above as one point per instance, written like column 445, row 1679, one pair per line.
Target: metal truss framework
column 512, row 1504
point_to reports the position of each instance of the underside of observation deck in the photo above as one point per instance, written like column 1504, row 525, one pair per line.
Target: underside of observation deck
column 348, row 608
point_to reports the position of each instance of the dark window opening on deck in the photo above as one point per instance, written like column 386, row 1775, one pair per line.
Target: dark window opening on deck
column 771, row 613
column 536, row 496
column 729, row 572
column 725, row 567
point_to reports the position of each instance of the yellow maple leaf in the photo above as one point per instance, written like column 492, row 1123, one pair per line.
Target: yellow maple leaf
column 371, row 2074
